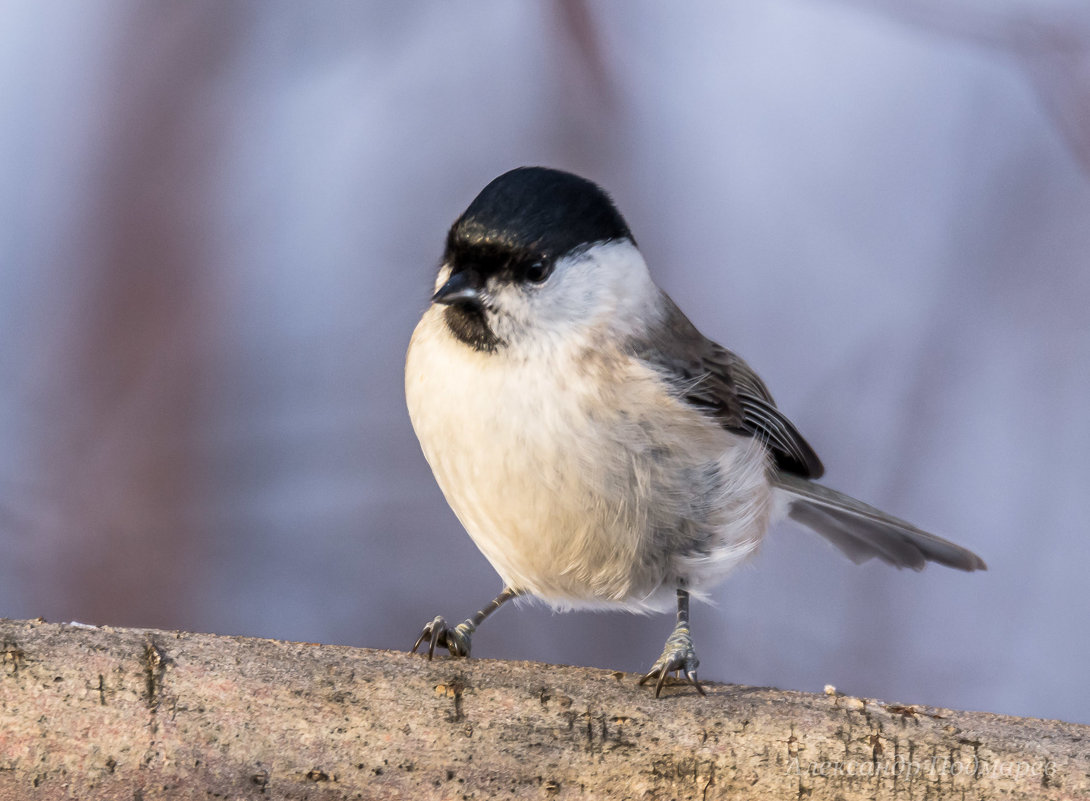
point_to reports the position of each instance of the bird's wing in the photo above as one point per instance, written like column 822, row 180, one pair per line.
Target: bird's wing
column 712, row 378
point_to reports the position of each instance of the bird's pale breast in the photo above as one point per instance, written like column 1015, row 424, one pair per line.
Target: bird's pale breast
column 575, row 471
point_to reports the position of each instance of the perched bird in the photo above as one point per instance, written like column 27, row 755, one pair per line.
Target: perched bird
column 600, row 451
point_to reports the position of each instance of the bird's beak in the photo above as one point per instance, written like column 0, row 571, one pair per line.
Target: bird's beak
column 465, row 287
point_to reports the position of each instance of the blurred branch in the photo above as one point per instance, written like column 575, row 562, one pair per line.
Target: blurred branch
column 96, row 713
column 579, row 28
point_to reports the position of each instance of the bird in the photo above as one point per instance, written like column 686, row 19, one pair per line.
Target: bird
column 599, row 450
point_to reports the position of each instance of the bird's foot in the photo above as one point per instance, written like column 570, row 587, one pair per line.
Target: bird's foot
column 456, row 640
column 678, row 657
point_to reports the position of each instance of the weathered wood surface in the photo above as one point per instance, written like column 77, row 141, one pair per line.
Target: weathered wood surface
column 101, row 713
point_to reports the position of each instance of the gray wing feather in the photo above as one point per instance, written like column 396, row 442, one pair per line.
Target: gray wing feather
column 711, row 377
column 716, row 380
column 863, row 532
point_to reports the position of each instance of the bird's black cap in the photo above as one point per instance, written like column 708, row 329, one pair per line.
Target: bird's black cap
column 532, row 215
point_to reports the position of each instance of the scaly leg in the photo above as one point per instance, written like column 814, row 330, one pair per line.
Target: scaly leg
column 457, row 639
column 678, row 655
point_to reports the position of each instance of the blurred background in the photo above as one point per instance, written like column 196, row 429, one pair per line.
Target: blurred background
column 219, row 223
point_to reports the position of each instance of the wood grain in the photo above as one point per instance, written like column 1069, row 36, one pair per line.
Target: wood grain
column 102, row 713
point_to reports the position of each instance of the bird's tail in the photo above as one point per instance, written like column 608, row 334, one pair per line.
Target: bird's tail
column 863, row 532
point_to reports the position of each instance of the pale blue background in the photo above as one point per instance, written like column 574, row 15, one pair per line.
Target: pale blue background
column 219, row 223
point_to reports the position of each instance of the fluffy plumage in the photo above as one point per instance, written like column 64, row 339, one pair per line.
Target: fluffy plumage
column 584, row 477
column 599, row 450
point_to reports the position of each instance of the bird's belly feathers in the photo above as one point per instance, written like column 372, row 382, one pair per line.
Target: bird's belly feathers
column 581, row 491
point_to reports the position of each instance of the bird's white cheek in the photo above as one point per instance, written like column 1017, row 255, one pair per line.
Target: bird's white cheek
column 607, row 288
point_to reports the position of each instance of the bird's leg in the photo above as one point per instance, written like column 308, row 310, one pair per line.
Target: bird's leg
column 457, row 639
column 678, row 655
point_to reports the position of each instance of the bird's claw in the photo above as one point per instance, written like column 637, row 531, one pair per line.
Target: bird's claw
column 677, row 657
column 457, row 640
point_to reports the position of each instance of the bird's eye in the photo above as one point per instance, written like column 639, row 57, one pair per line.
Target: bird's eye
column 538, row 271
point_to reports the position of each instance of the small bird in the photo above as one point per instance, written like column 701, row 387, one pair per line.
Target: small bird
column 600, row 451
